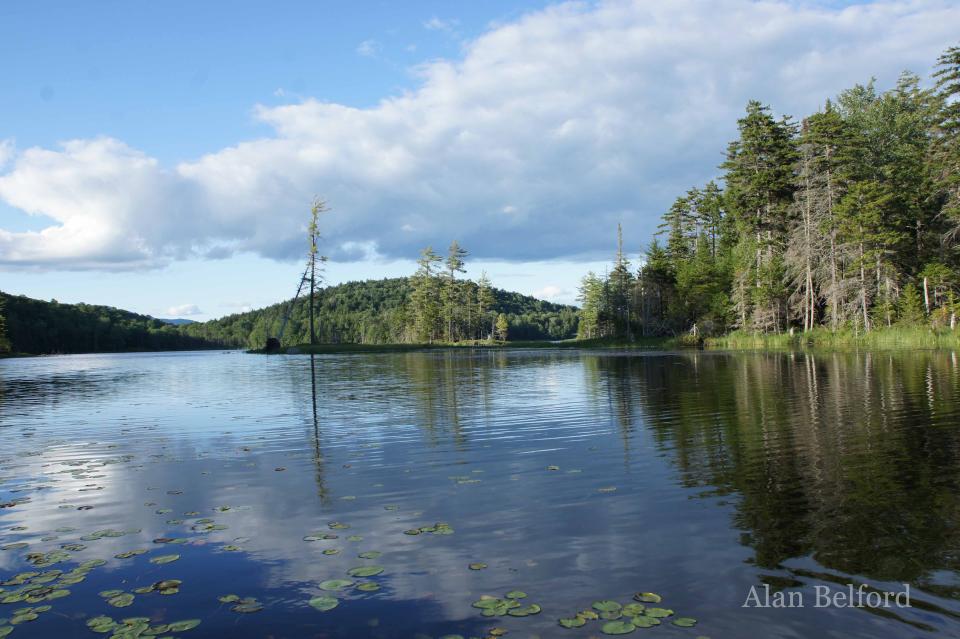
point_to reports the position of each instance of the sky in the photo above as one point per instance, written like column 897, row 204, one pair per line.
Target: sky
column 162, row 157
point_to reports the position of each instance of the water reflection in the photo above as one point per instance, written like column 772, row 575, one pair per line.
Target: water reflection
column 575, row 477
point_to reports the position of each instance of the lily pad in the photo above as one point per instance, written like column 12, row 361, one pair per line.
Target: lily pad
column 368, row 586
column 607, row 605
column 228, row 598
column 658, row 613
column 247, row 605
column 477, row 566
column 685, row 622
column 183, row 626
column 336, row 584
column 532, row 609
column 516, row 594
column 323, row 604
column 617, row 628
column 633, row 609
column 365, row 571
column 370, row 554
column 121, row 601
column 572, row 622
column 643, row 621
column 332, row 551
column 648, row 597
column 164, row 559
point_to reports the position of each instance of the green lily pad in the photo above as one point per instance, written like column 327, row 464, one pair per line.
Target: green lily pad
column 228, row 598
column 121, row 601
column 658, row 613
column 324, row 603
column 607, row 605
column 106, row 594
column 183, row 626
column 368, row 586
column 365, row 571
column 633, row 609
column 648, row 597
column 532, row 609
column 572, row 622
column 685, row 622
column 370, row 554
column 643, row 621
column 336, row 525
column 412, row 531
column 332, row 551
column 516, row 594
column 477, row 566
column 617, row 628
column 247, row 605
column 589, row 615
column 164, row 559
column 5, row 630
column 336, row 584
column 355, row 538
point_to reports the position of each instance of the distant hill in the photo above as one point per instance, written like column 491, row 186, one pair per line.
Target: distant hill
column 176, row 322
column 376, row 312
column 38, row 327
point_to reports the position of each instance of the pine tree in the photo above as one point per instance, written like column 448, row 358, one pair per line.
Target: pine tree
column 424, row 298
column 945, row 156
column 759, row 181
column 485, row 302
column 910, row 308
column 451, row 295
column 590, row 297
column 621, row 286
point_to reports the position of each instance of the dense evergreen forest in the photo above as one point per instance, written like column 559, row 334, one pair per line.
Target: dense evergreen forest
column 37, row 327
column 398, row 310
column 847, row 220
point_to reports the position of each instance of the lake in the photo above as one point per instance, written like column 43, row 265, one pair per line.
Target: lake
column 394, row 491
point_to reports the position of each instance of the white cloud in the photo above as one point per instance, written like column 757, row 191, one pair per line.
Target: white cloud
column 7, row 150
column 438, row 24
column 184, row 310
column 369, row 48
column 578, row 116
column 551, row 293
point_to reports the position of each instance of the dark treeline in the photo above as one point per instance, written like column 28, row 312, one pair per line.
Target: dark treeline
column 38, row 327
column 846, row 220
column 389, row 311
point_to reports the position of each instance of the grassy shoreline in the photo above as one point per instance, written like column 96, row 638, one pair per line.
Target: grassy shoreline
column 894, row 338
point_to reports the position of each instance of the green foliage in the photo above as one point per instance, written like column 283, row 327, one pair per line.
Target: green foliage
column 503, row 327
column 38, row 327
column 836, row 223
column 383, row 312
column 4, row 340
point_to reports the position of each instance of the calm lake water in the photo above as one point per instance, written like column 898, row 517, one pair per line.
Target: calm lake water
column 575, row 477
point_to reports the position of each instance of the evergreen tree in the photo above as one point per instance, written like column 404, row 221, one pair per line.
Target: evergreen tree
column 485, row 301
column 424, row 299
column 759, row 190
column 945, row 156
column 910, row 308
column 451, row 292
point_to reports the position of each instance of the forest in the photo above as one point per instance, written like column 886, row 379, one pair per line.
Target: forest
column 431, row 307
column 848, row 220
column 38, row 327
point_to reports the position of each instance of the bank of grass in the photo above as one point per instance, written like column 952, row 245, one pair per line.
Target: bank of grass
column 892, row 338
column 645, row 343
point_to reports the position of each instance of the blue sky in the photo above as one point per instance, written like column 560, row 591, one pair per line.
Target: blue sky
column 161, row 156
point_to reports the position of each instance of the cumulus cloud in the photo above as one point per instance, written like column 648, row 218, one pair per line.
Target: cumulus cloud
column 184, row 310
column 533, row 145
column 551, row 293
column 369, row 48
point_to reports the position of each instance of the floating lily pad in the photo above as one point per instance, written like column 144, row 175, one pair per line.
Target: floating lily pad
column 685, row 622
column 532, row 609
column 355, row 538
column 247, row 605
column 365, row 571
column 516, row 594
column 336, row 584
column 332, row 551
column 121, row 601
column 228, row 598
column 572, row 622
column 183, row 626
column 643, row 621
column 336, row 525
column 164, row 559
column 648, row 597
column 370, row 554
column 324, row 603
column 110, row 593
column 633, row 609
column 607, row 605
column 617, row 628
column 477, row 566
column 658, row 613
